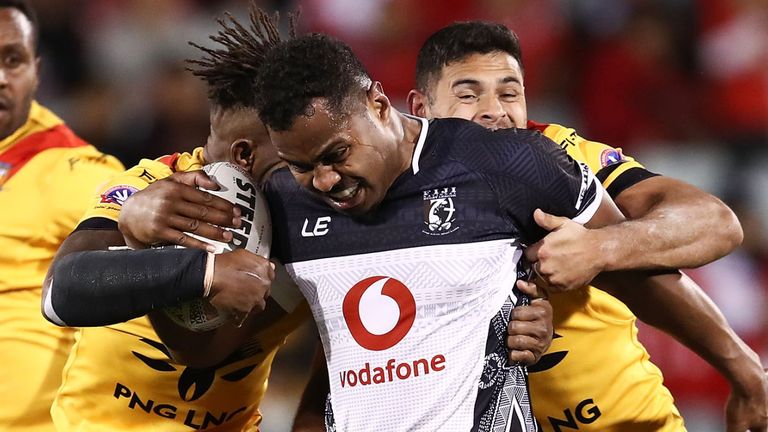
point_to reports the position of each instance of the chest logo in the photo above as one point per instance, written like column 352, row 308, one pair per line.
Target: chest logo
column 379, row 312
column 320, row 228
column 439, row 211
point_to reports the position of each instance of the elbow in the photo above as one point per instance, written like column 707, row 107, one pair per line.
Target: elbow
column 728, row 232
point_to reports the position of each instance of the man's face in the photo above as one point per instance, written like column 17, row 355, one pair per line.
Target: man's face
column 239, row 136
column 484, row 88
column 349, row 160
column 18, row 70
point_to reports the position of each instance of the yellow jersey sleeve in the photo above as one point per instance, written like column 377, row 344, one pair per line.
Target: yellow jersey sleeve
column 612, row 167
column 110, row 197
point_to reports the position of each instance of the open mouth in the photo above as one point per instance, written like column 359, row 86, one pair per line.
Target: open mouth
column 346, row 198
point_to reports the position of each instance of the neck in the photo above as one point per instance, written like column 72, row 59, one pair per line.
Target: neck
column 409, row 130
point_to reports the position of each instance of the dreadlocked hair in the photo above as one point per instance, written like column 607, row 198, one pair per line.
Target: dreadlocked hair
column 229, row 70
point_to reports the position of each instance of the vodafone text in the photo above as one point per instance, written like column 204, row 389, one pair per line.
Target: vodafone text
column 392, row 370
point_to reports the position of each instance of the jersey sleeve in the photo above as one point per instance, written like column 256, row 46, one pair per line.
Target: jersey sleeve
column 615, row 170
column 533, row 172
column 109, row 199
column 73, row 182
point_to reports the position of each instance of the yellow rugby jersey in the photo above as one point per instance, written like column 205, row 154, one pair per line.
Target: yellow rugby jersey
column 121, row 377
column 597, row 376
column 47, row 179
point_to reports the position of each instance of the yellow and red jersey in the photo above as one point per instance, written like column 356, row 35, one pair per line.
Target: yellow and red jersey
column 121, row 377
column 47, row 178
column 596, row 376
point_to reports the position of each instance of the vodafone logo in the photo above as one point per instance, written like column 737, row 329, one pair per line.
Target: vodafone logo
column 379, row 312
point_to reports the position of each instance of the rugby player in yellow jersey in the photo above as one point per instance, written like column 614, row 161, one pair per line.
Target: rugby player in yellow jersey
column 596, row 376
column 121, row 377
column 47, row 176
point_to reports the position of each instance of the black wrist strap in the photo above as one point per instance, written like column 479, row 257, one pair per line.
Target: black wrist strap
column 96, row 288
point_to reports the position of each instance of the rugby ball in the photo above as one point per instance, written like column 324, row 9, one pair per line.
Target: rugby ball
column 254, row 234
column 237, row 187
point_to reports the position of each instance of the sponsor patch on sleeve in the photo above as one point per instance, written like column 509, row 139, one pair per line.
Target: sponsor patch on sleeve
column 611, row 156
column 117, row 194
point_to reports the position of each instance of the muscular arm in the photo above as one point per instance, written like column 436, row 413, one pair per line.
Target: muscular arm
column 671, row 225
column 674, row 304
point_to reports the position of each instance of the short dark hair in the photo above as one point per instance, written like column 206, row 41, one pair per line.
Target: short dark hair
column 458, row 41
column 24, row 7
column 230, row 71
column 309, row 67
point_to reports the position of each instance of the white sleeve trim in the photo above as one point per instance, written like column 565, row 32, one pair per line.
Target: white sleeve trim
column 48, row 311
column 589, row 211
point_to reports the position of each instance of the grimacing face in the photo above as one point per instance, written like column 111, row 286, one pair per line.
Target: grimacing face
column 348, row 160
column 18, row 70
column 238, row 135
column 484, row 88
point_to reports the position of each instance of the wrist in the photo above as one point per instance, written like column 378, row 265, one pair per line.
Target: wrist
column 745, row 372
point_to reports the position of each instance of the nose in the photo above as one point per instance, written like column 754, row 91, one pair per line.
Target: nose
column 324, row 178
column 3, row 77
column 491, row 111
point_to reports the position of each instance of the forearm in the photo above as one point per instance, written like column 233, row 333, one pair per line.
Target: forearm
column 671, row 225
column 95, row 288
column 676, row 305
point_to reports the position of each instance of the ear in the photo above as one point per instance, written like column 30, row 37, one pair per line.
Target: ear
column 38, row 64
column 379, row 101
column 417, row 104
column 242, row 153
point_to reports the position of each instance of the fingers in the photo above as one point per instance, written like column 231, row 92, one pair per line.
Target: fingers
column 241, row 284
column 521, row 349
column 547, row 221
column 532, row 252
column 194, row 178
column 532, row 289
column 523, row 357
column 205, row 207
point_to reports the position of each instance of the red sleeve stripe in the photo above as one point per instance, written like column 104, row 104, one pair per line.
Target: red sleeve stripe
column 30, row 146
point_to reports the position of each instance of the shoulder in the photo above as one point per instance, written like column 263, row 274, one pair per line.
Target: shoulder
column 477, row 147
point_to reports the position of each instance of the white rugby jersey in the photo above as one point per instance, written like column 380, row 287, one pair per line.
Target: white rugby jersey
column 412, row 301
